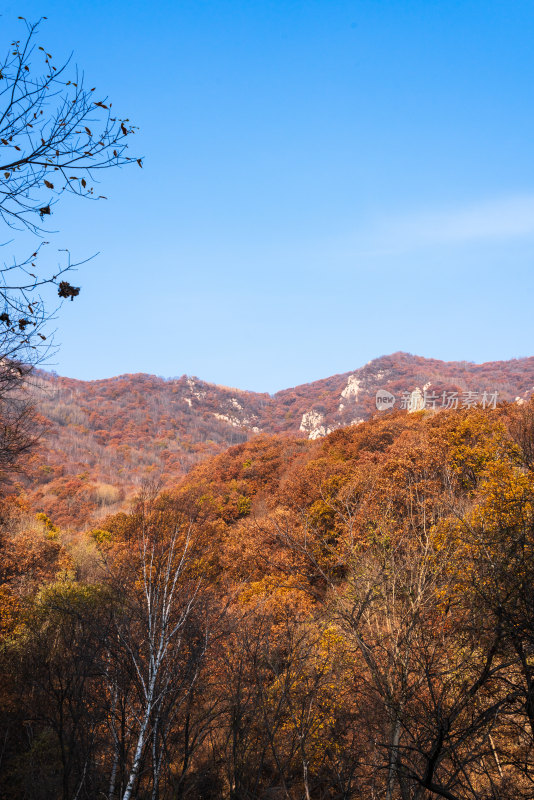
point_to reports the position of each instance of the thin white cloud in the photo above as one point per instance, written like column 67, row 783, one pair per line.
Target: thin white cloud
column 509, row 217
column 505, row 219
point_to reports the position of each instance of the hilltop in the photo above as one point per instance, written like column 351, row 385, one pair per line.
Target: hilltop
column 102, row 439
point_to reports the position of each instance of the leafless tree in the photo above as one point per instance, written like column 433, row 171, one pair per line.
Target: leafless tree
column 56, row 136
column 154, row 638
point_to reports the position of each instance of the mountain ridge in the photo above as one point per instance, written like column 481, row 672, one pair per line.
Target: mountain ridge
column 184, row 376
column 103, row 438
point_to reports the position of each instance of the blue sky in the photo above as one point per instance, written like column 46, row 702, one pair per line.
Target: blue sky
column 324, row 182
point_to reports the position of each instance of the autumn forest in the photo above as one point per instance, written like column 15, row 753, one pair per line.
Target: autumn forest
column 320, row 593
column 349, row 617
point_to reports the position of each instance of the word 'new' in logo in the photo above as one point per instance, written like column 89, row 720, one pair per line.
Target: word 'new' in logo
column 384, row 400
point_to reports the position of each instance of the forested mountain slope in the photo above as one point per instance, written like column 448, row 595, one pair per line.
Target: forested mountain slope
column 103, row 438
column 354, row 617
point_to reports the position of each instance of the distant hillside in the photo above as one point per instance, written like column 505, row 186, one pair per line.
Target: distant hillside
column 103, row 438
